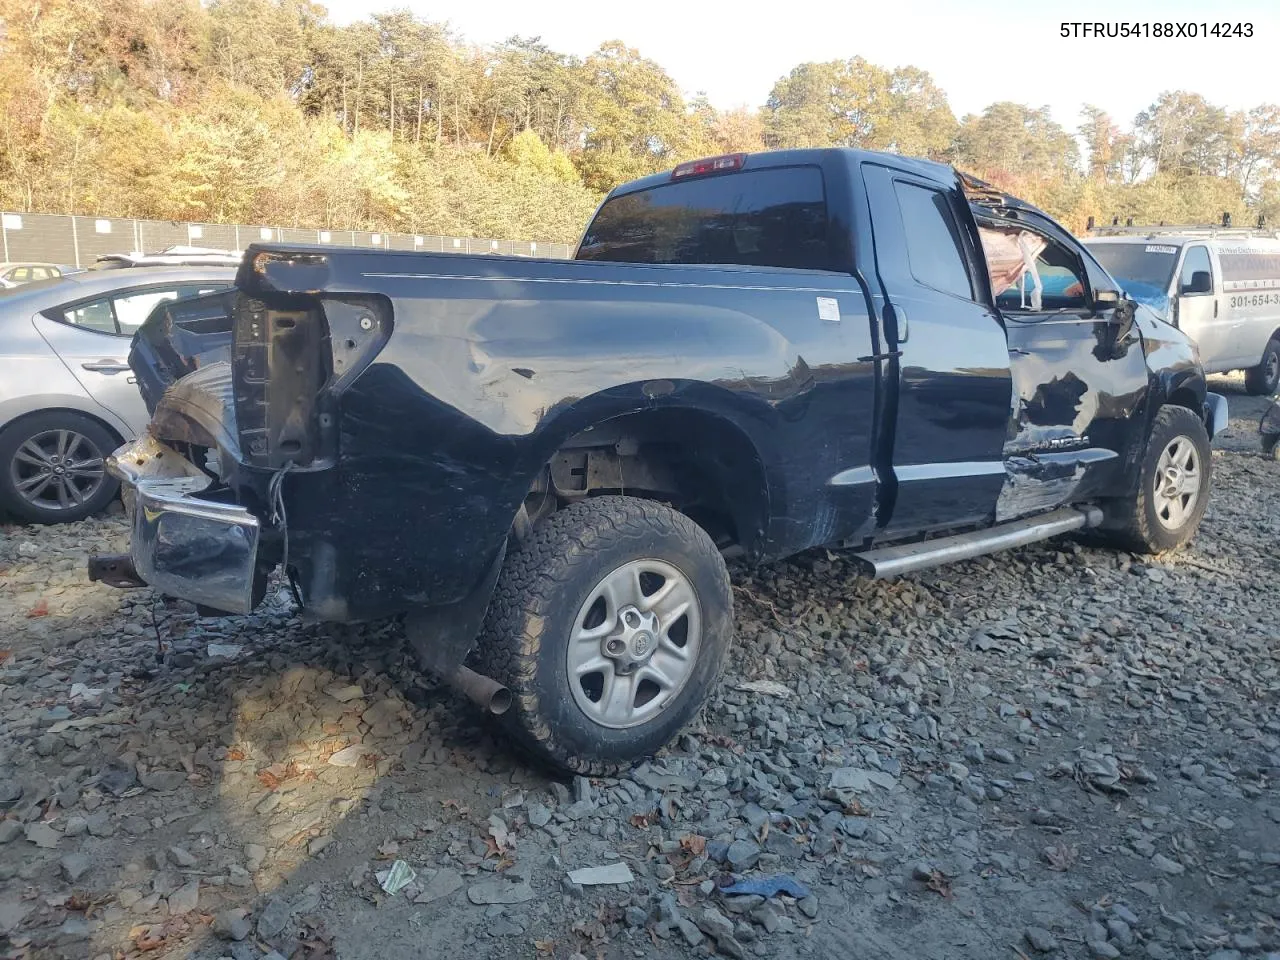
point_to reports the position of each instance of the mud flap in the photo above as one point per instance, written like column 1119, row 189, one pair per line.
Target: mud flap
column 441, row 637
column 1216, row 415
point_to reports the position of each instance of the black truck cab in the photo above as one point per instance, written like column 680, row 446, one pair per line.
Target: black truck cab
column 543, row 463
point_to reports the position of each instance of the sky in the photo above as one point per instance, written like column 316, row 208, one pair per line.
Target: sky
column 978, row 52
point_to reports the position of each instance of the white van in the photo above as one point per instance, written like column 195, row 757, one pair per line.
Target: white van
column 1219, row 286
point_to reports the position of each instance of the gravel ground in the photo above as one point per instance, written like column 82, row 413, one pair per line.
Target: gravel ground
column 1057, row 751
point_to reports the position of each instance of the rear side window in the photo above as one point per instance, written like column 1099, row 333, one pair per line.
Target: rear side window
column 933, row 240
column 759, row 218
column 134, row 308
column 95, row 315
column 124, row 312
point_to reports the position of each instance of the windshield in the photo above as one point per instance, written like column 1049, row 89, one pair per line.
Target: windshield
column 1143, row 270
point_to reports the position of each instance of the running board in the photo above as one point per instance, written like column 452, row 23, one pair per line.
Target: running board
column 909, row 557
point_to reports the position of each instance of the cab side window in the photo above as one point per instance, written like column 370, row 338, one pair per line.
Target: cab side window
column 933, row 240
column 1032, row 274
column 1196, row 278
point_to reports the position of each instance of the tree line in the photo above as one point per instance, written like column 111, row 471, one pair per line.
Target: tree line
column 265, row 111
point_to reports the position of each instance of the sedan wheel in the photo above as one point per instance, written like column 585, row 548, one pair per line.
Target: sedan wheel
column 58, row 470
column 53, row 468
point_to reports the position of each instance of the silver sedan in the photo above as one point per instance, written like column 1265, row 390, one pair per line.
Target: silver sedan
column 68, row 397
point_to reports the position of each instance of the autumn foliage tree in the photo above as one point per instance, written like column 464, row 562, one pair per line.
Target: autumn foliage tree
column 265, row 111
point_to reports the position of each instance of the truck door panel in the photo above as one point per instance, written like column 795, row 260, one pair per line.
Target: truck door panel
column 1078, row 378
column 949, row 415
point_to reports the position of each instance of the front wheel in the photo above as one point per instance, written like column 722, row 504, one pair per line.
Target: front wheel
column 1265, row 377
column 609, row 625
column 1173, row 486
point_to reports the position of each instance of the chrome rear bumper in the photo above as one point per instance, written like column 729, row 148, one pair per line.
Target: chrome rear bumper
column 185, row 545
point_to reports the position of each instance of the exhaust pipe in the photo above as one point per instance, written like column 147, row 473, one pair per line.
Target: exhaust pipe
column 485, row 692
column 115, row 570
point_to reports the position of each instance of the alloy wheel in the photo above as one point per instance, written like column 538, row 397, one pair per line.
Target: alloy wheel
column 57, row 469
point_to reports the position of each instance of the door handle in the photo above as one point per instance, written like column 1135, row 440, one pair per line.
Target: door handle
column 1215, row 308
column 106, row 366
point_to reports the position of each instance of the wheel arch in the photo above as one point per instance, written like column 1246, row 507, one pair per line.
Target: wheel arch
column 700, row 459
column 63, row 407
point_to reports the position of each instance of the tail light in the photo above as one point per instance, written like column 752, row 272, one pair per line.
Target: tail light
column 697, row 168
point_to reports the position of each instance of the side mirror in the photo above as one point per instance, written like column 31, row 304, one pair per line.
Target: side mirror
column 1120, row 307
column 1201, row 282
column 1122, row 316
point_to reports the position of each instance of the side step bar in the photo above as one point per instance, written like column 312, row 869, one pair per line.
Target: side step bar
column 907, row 558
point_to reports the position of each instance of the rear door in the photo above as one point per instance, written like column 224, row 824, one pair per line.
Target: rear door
column 92, row 338
column 949, row 415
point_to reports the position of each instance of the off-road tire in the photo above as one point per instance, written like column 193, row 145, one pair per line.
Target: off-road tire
column 20, row 431
column 1264, row 379
column 541, row 589
column 1132, row 523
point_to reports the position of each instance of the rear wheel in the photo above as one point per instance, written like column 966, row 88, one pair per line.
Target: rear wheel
column 1265, row 377
column 609, row 625
column 1173, row 489
column 53, row 467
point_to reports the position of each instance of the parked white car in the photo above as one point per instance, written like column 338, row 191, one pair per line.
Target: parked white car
column 16, row 274
column 67, row 396
column 1220, row 287
column 180, row 256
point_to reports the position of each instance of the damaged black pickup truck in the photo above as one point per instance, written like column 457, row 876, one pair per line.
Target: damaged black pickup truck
column 543, row 464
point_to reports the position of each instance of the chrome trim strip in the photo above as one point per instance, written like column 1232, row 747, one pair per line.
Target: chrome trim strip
column 853, row 477
column 949, row 471
column 611, row 283
column 856, row 476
